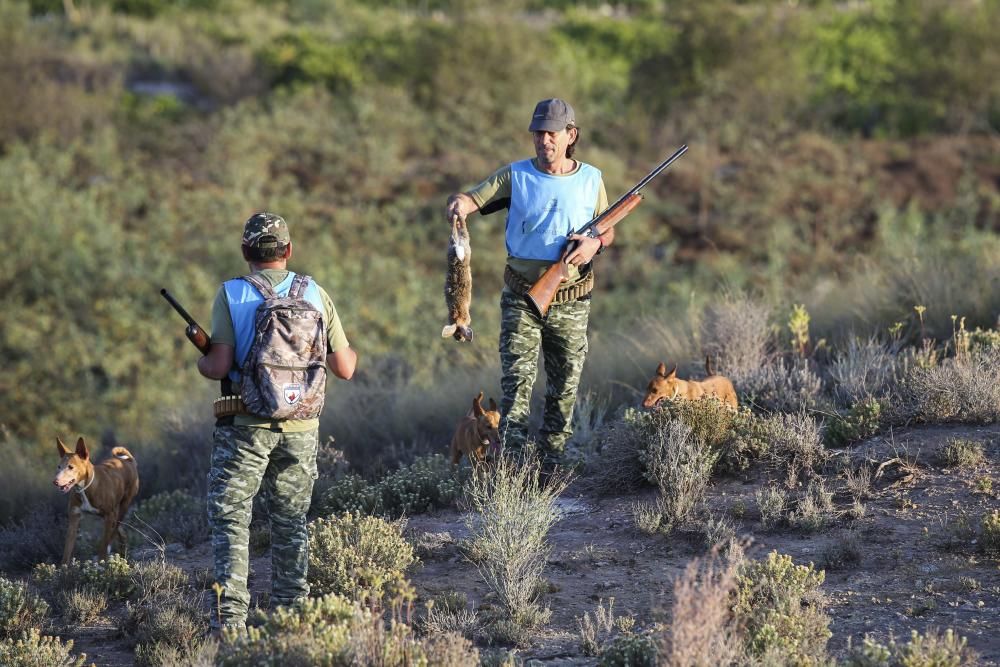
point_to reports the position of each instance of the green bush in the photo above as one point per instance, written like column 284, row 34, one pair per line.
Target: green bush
column 989, row 534
column 357, row 556
column 426, row 484
column 861, row 421
column 781, row 606
column 629, row 651
column 962, row 453
column 20, row 610
column 35, row 650
column 332, row 631
column 929, row 650
column 113, row 576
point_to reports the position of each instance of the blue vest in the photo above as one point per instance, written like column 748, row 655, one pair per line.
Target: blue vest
column 243, row 301
column 545, row 209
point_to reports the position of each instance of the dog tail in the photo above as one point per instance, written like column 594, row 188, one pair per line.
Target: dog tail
column 708, row 365
column 122, row 453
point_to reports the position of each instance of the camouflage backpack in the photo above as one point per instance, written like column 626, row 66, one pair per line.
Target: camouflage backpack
column 284, row 376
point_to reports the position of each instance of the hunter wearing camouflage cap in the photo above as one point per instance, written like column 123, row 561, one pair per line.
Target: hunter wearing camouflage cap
column 548, row 198
column 251, row 453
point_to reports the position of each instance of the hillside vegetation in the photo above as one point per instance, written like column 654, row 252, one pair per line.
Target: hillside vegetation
column 843, row 157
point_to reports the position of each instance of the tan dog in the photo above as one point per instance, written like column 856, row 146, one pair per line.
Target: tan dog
column 106, row 490
column 477, row 434
column 667, row 386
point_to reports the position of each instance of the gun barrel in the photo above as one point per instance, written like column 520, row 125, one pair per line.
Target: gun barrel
column 178, row 307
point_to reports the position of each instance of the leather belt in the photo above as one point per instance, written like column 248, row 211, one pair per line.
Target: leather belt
column 571, row 292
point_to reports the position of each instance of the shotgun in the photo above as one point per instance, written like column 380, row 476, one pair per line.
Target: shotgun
column 195, row 333
column 541, row 293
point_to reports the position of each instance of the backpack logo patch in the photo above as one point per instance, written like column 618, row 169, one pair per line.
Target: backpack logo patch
column 292, row 393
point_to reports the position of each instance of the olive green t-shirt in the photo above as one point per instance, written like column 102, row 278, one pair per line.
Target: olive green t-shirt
column 498, row 186
column 223, row 332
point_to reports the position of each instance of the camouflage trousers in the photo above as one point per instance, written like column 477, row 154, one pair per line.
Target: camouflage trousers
column 562, row 338
column 282, row 467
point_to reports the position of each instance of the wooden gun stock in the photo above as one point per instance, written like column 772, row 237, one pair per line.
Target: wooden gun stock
column 544, row 290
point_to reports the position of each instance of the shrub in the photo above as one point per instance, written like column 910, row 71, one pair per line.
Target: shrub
column 782, row 386
column 929, row 650
column 175, row 625
column 449, row 613
column 20, row 610
column 629, row 651
column 843, row 552
column 680, row 467
column 732, row 435
column 781, row 606
column 794, row 442
column 989, row 534
column 332, row 631
column 353, row 494
column 82, row 605
column 861, row 421
column 771, row 505
column 511, row 512
column 35, row 650
column 357, row 556
column 735, row 333
column 864, row 370
column 175, row 516
column 112, row 576
column 426, row 484
column 960, row 390
column 812, row 513
column 962, row 453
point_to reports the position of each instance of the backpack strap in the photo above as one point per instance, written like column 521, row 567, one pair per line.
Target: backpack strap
column 299, row 284
column 262, row 285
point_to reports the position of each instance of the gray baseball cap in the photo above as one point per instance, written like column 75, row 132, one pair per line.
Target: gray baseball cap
column 552, row 115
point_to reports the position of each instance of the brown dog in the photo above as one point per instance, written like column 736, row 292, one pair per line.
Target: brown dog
column 106, row 490
column 477, row 434
column 667, row 386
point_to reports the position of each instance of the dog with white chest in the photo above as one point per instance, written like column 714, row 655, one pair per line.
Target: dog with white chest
column 106, row 490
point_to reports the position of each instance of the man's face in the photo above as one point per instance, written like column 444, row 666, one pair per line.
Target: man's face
column 550, row 147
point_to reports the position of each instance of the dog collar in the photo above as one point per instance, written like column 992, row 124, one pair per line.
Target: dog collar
column 81, row 489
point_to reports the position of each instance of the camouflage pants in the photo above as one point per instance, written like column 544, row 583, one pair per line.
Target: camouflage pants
column 562, row 338
column 282, row 466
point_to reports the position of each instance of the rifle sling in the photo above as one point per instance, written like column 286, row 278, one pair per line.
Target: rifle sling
column 571, row 292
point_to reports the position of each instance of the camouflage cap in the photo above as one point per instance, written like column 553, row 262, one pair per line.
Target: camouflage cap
column 265, row 230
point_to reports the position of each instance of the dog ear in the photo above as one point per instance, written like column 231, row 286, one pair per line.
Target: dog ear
column 63, row 449
column 661, row 370
column 493, row 405
column 477, row 405
column 81, row 449
column 672, row 373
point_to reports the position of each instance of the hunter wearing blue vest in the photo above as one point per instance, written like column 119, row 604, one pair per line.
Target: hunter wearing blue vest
column 251, row 453
column 548, row 199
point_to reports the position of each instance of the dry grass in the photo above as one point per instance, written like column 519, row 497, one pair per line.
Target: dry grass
column 703, row 631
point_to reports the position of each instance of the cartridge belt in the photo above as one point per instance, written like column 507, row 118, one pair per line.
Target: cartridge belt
column 228, row 406
column 564, row 294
